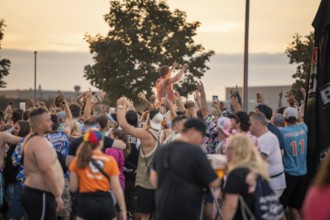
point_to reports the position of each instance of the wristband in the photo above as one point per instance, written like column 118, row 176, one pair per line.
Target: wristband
column 120, row 107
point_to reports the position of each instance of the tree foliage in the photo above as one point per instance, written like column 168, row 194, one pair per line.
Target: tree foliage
column 4, row 63
column 143, row 35
column 300, row 53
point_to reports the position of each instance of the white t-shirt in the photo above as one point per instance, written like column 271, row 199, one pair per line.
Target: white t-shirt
column 269, row 145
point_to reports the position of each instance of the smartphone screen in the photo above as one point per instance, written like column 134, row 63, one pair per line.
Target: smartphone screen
column 22, row 105
column 215, row 98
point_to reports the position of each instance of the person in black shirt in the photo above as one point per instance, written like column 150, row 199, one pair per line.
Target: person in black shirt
column 131, row 162
column 244, row 164
column 180, row 172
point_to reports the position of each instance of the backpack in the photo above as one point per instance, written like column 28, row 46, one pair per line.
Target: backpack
column 267, row 204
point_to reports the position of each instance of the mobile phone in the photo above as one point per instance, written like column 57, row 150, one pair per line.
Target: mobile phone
column 22, row 106
column 215, row 98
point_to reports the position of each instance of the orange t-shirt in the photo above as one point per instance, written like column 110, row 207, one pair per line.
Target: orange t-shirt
column 90, row 178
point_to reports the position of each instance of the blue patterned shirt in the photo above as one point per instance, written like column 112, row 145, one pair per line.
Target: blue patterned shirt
column 61, row 143
column 16, row 158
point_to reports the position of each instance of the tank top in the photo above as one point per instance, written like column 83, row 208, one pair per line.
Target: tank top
column 144, row 165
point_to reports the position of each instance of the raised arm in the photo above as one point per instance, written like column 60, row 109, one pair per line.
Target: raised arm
column 204, row 107
column 121, row 112
column 174, row 65
column 260, row 98
column 280, row 96
column 78, row 98
column 141, row 96
column 179, row 102
column 178, row 77
column 6, row 137
column 68, row 121
column 235, row 103
column 88, row 106
column 98, row 99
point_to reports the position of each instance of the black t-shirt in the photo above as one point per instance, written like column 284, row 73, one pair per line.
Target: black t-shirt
column 74, row 145
column 10, row 171
column 132, row 159
column 236, row 184
column 181, row 196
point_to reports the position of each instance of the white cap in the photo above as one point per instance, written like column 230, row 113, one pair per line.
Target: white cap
column 290, row 112
column 156, row 121
column 224, row 124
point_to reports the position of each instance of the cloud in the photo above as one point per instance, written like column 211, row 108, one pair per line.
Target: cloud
column 223, row 27
column 62, row 43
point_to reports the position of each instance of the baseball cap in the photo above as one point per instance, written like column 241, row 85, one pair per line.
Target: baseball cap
column 112, row 117
column 156, row 119
column 61, row 115
column 290, row 113
column 224, row 124
column 92, row 136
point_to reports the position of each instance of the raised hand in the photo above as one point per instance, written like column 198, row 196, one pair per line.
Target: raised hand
column 200, row 87
column 141, row 96
column 281, row 94
column 174, row 65
column 60, row 93
column 88, row 94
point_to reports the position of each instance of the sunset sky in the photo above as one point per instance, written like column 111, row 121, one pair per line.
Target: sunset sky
column 56, row 30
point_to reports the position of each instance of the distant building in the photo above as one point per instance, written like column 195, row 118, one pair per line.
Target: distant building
column 41, row 94
column 29, row 93
column 270, row 94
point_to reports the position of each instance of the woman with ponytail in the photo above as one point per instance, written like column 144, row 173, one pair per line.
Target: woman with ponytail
column 93, row 174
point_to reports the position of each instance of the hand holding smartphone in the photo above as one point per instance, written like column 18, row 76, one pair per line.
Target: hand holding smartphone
column 215, row 99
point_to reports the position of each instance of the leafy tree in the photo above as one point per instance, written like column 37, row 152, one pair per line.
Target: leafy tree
column 4, row 63
column 143, row 35
column 300, row 53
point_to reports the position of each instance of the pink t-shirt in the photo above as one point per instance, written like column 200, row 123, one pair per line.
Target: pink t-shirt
column 120, row 158
column 317, row 204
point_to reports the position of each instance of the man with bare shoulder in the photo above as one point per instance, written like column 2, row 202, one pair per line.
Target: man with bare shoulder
column 44, row 184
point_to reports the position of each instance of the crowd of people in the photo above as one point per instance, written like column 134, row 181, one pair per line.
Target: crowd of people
column 77, row 161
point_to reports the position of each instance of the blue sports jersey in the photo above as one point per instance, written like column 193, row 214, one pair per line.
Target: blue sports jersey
column 61, row 143
column 295, row 149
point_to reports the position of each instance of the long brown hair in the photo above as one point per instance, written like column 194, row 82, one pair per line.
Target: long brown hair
column 91, row 141
column 322, row 178
column 84, row 154
column 119, row 134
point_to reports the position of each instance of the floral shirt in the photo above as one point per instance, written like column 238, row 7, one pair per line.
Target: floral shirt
column 16, row 158
column 211, row 138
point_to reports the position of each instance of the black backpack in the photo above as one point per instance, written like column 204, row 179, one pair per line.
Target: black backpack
column 267, row 204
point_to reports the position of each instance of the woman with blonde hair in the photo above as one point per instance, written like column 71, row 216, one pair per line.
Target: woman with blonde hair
column 93, row 173
column 244, row 165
